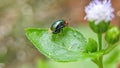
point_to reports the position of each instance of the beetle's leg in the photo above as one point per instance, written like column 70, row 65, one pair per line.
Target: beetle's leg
column 62, row 32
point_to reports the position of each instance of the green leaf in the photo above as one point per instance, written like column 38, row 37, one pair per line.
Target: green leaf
column 65, row 46
column 68, row 45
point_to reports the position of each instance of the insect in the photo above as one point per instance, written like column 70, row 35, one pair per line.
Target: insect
column 57, row 26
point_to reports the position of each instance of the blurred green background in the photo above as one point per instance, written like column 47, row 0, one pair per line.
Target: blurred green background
column 16, row 51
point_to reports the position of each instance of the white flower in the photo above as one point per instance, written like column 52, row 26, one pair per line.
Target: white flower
column 99, row 11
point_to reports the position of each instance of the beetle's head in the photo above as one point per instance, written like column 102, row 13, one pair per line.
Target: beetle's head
column 66, row 23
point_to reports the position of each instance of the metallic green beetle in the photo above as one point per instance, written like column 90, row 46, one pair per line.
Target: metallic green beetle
column 57, row 26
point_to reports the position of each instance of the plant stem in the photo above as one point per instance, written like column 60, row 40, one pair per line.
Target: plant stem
column 100, row 42
column 99, row 49
column 111, row 47
column 101, row 62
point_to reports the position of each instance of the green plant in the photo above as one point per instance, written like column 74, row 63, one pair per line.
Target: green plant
column 70, row 45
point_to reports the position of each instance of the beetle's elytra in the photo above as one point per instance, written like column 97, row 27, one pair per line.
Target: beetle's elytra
column 57, row 26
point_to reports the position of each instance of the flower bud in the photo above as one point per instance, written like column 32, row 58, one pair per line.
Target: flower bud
column 112, row 35
column 91, row 45
column 99, row 13
column 99, row 28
